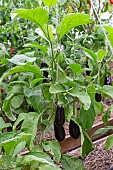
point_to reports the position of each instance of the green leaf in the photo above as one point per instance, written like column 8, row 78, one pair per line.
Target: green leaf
column 110, row 37
column 56, row 88
column 98, row 107
column 71, row 163
column 19, row 119
column 40, row 157
column 21, row 59
column 86, row 143
column 61, row 75
column 103, row 130
column 108, row 90
column 92, row 55
column 22, row 68
column 38, row 16
column 87, row 117
column 33, row 45
column 76, row 68
column 108, row 28
column 16, row 101
column 3, row 124
column 18, row 148
column 83, row 97
column 70, row 21
column 101, row 54
column 53, row 148
column 50, row 2
column 109, row 142
column 106, row 115
column 61, row 2
column 7, row 109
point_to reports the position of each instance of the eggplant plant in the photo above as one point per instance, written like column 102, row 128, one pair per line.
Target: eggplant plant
column 41, row 78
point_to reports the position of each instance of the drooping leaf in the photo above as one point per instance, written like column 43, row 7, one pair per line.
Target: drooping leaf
column 103, row 130
column 91, row 53
column 83, row 97
column 22, row 68
column 86, row 143
column 71, row 162
column 109, row 142
column 38, row 15
column 70, row 21
column 87, row 117
column 20, row 118
column 50, row 2
column 56, row 88
column 18, row 148
column 106, row 115
column 53, row 148
column 33, row 45
column 7, row 110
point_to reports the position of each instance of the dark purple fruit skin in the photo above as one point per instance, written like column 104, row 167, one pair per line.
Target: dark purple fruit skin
column 31, row 109
column 59, row 132
column 60, row 116
column 45, row 73
column 98, row 97
column 74, row 130
column 108, row 80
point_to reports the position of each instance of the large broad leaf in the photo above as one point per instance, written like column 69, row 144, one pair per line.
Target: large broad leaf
column 38, row 16
column 10, row 144
column 86, row 142
column 87, row 117
column 82, row 96
column 45, row 162
column 50, row 2
column 71, row 163
column 16, row 101
column 22, row 68
column 18, row 148
column 34, row 45
column 75, row 67
column 7, row 110
column 91, row 54
column 21, row 59
column 56, row 88
column 107, row 89
column 108, row 28
column 70, row 21
column 109, row 142
column 53, row 148
column 101, row 54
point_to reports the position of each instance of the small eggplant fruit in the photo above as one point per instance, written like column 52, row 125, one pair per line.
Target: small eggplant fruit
column 87, row 66
column 74, row 130
column 31, row 109
column 98, row 97
column 59, row 132
column 45, row 73
column 60, row 116
column 108, row 80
